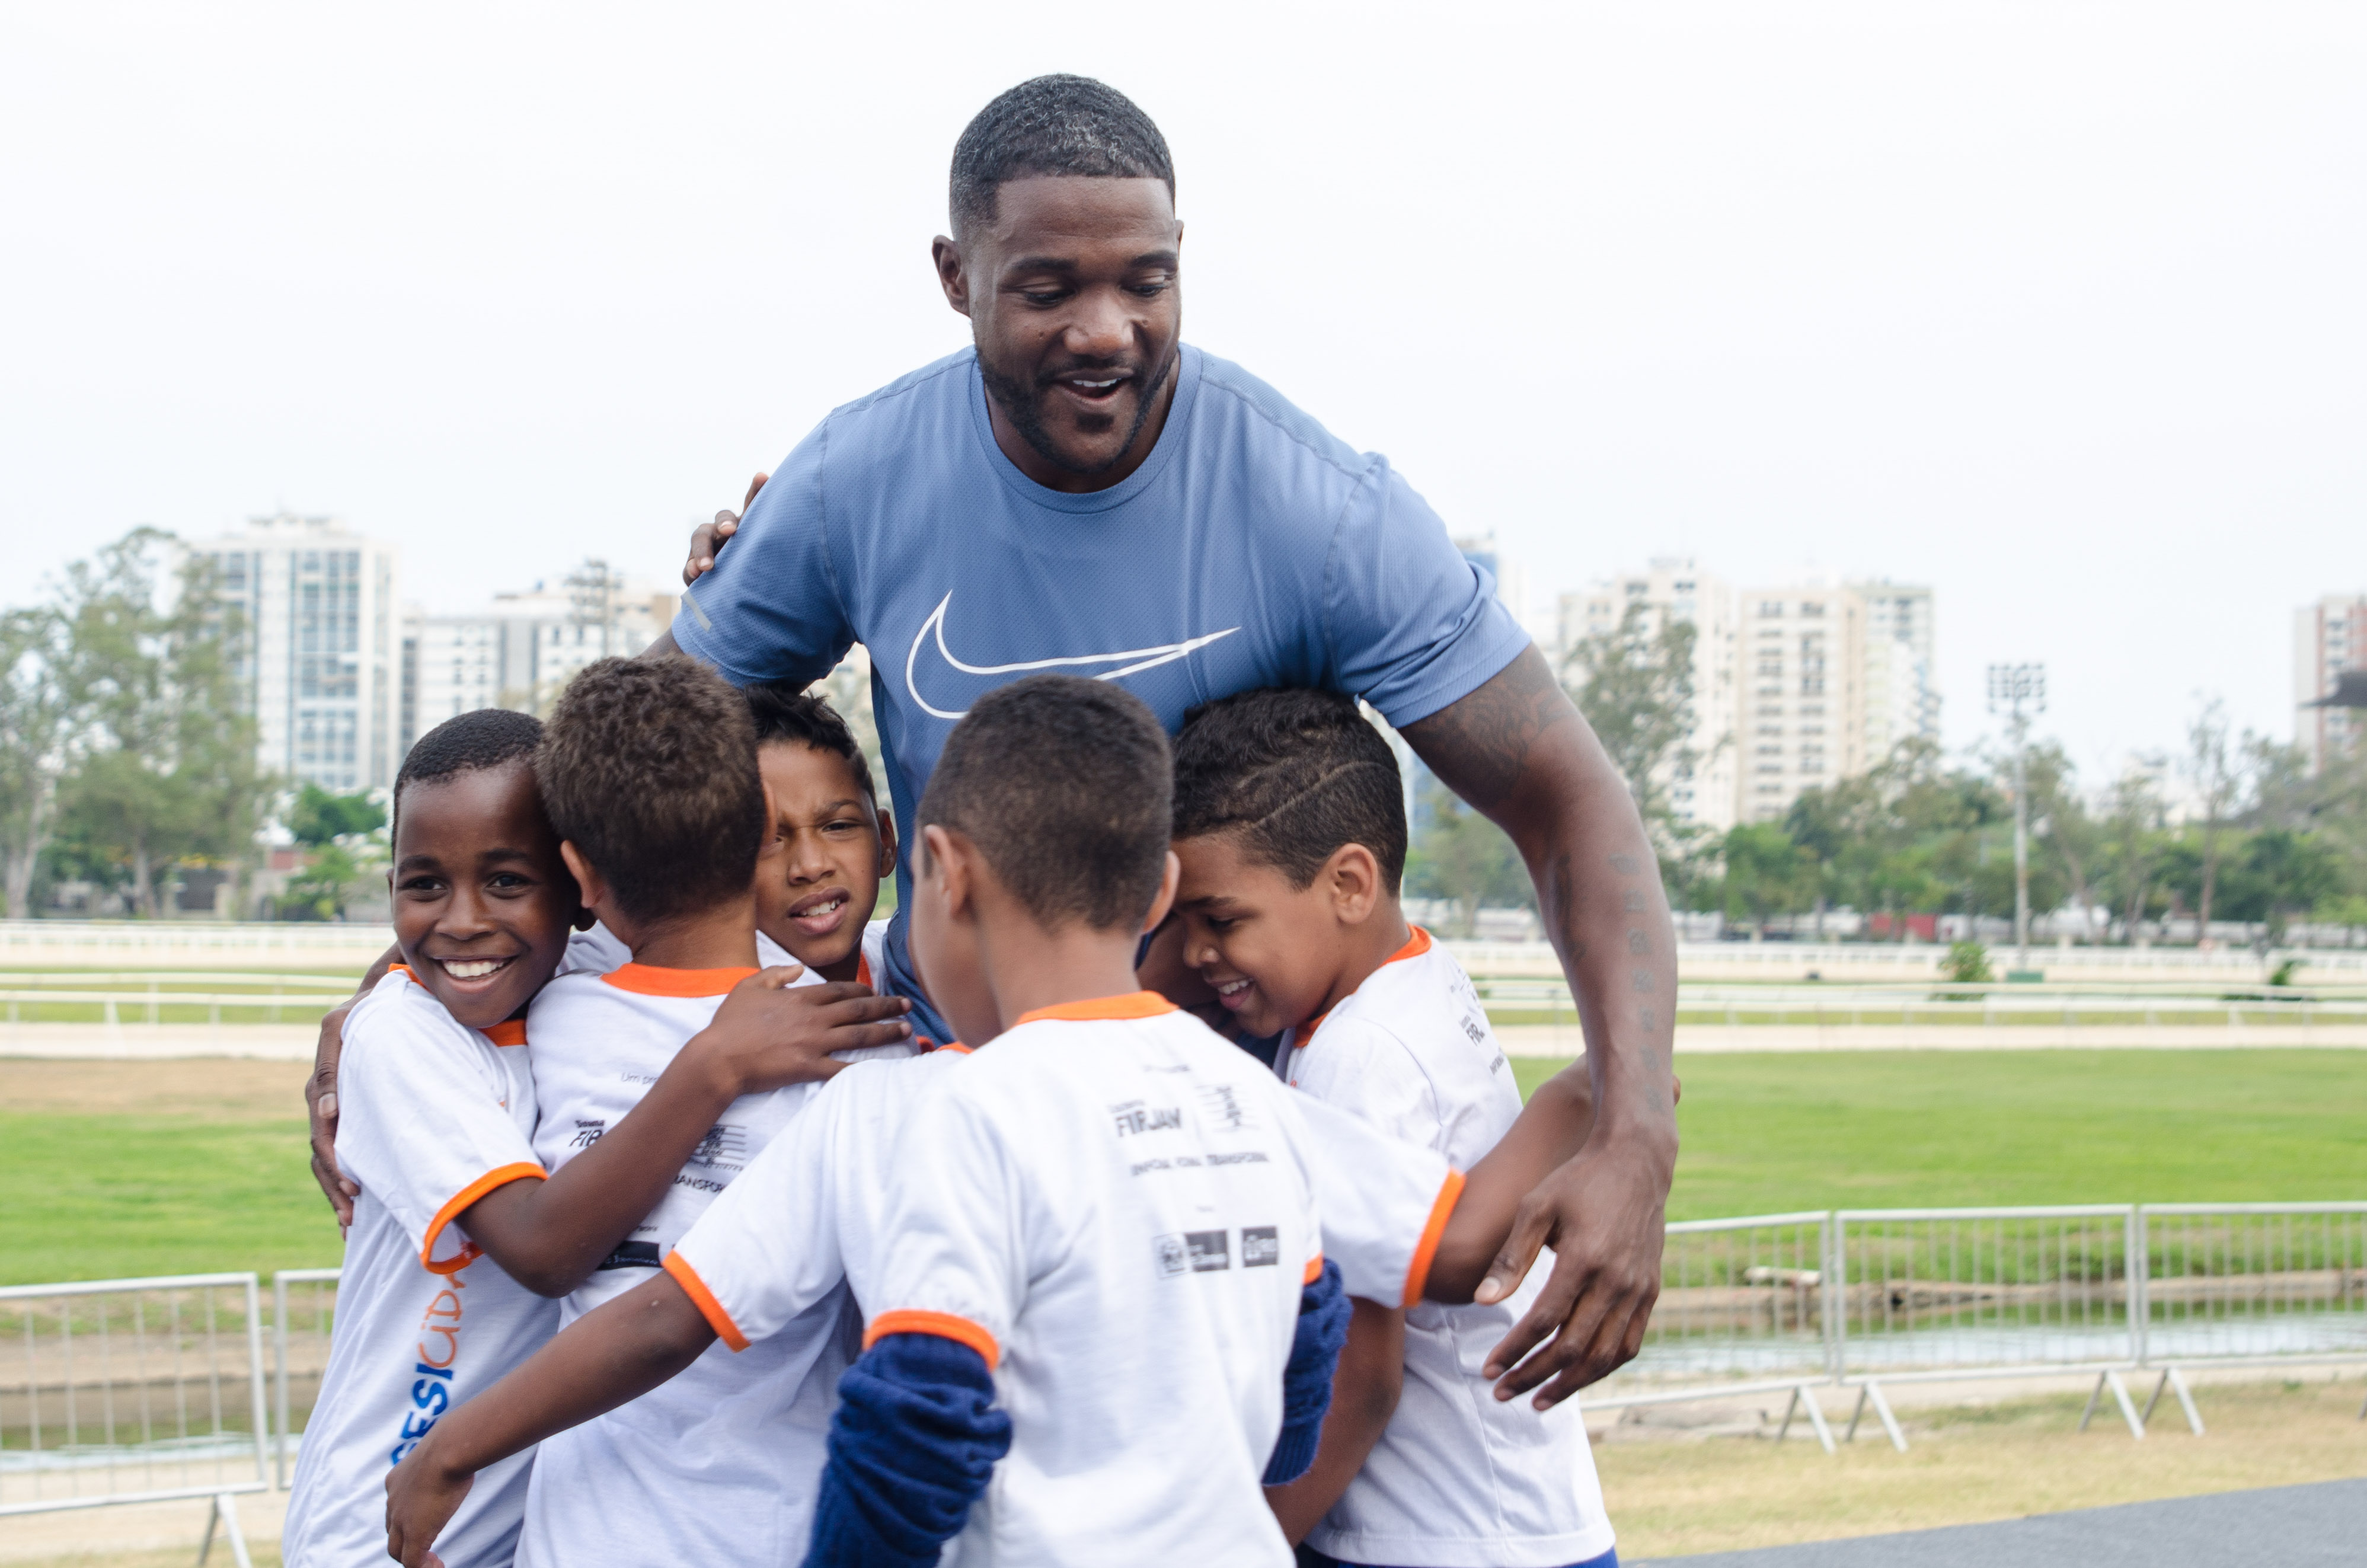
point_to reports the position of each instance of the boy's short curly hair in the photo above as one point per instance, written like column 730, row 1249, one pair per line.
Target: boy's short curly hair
column 467, row 742
column 1293, row 775
column 649, row 767
column 784, row 711
column 1064, row 784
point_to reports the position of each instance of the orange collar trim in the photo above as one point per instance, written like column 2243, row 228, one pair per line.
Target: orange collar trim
column 509, row 1031
column 648, row 980
column 956, row 1047
column 1136, row 1004
column 862, row 972
column 1415, row 946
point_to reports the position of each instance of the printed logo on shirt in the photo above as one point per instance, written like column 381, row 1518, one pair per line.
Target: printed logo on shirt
column 633, row 1254
column 1260, row 1246
column 1170, row 1255
column 1224, row 1110
column 1130, row 1117
column 1210, row 1250
column 725, row 1144
column 432, row 1367
column 932, row 633
column 587, row 1133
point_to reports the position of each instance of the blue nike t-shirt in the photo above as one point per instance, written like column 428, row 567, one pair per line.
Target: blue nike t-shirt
column 1252, row 549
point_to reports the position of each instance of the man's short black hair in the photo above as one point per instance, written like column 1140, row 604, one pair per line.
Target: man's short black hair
column 1064, row 785
column 467, row 742
column 1294, row 775
column 783, row 712
column 649, row 767
column 1053, row 125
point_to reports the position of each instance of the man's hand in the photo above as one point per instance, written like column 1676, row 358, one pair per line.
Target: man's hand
column 708, row 538
column 421, row 1498
column 1592, row 1314
column 769, row 1033
column 320, row 1107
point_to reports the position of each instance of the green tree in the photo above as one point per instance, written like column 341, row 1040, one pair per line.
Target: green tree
column 1766, row 874
column 1462, row 857
column 38, row 736
column 1634, row 684
column 169, row 773
column 317, row 817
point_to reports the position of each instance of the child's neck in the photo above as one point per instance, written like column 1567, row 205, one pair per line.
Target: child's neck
column 1366, row 948
column 722, row 935
column 1028, row 967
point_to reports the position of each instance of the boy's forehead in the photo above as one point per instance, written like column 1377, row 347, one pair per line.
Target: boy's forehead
column 468, row 808
column 810, row 766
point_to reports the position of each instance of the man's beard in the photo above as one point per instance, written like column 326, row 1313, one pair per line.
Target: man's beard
column 1024, row 412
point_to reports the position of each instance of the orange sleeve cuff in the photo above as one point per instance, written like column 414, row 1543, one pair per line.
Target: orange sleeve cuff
column 945, row 1326
column 1314, row 1269
column 704, row 1299
column 1426, row 1250
column 457, row 1205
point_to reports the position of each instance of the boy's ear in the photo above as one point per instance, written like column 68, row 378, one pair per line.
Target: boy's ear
column 771, row 838
column 591, row 888
column 1353, row 877
column 1169, row 880
column 945, row 863
column 886, row 821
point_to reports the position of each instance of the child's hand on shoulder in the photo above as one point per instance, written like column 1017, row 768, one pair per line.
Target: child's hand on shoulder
column 770, row 1033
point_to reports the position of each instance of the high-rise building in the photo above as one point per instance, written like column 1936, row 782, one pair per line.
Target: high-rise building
column 1803, row 675
column 1902, row 689
column 519, row 651
column 2330, row 637
column 322, row 666
column 1702, row 789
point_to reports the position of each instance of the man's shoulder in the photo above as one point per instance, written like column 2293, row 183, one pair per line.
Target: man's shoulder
column 1234, row 407
column 886, row 413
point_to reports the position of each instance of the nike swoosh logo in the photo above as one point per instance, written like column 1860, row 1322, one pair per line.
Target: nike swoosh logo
column 1129, row 661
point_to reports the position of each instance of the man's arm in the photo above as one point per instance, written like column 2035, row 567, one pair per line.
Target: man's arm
column 1365, row 1392
column 1518, row 751
column 549, row 1236
column 321, row 1093
column 614, row 1353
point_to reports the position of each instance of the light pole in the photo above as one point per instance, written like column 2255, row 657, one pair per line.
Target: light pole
column 2019, row 692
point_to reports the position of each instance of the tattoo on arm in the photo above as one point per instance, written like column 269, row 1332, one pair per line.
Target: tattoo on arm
column 1479, row 745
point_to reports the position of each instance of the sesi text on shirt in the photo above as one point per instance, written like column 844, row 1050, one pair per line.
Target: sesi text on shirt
column 1113, row 1208
column 434, row 1115
column 1459, row 1479
column 695, row 1464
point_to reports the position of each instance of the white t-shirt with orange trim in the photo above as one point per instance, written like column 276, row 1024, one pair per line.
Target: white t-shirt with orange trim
column 699, row 1463
column 433, row 1116
column 1114, row 1207
column 1459, row 1479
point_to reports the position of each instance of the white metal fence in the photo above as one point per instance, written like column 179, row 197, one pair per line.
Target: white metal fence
column 131, row 1391
column 1852, row 1299
column 139, row 1390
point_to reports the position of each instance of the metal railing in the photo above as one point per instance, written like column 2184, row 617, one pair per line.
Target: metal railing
column 303, row 1309
column 143, row 936
column 1941, row 1002
column 1855, row 1300
column 134, row 1390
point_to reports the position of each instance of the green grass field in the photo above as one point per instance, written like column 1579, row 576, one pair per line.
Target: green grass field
column 109, row 1170
column 1874, row 1130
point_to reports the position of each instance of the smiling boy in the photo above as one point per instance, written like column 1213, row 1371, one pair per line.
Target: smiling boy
column 457, row 1238
column 1290, row 828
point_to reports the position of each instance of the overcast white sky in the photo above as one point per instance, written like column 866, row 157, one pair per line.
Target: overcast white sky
column 2061, row 308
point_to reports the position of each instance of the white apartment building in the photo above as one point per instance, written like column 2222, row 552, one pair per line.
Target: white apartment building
column 1702, row 792
column 2330, row 637
column 1803, row 676
column 1902, row 689
column 519, row 651
column 321, row 667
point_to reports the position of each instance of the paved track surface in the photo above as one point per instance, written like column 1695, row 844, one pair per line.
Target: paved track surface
column 2293, row 1527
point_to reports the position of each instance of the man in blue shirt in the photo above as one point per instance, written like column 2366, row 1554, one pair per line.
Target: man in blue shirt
column 1082, row 491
